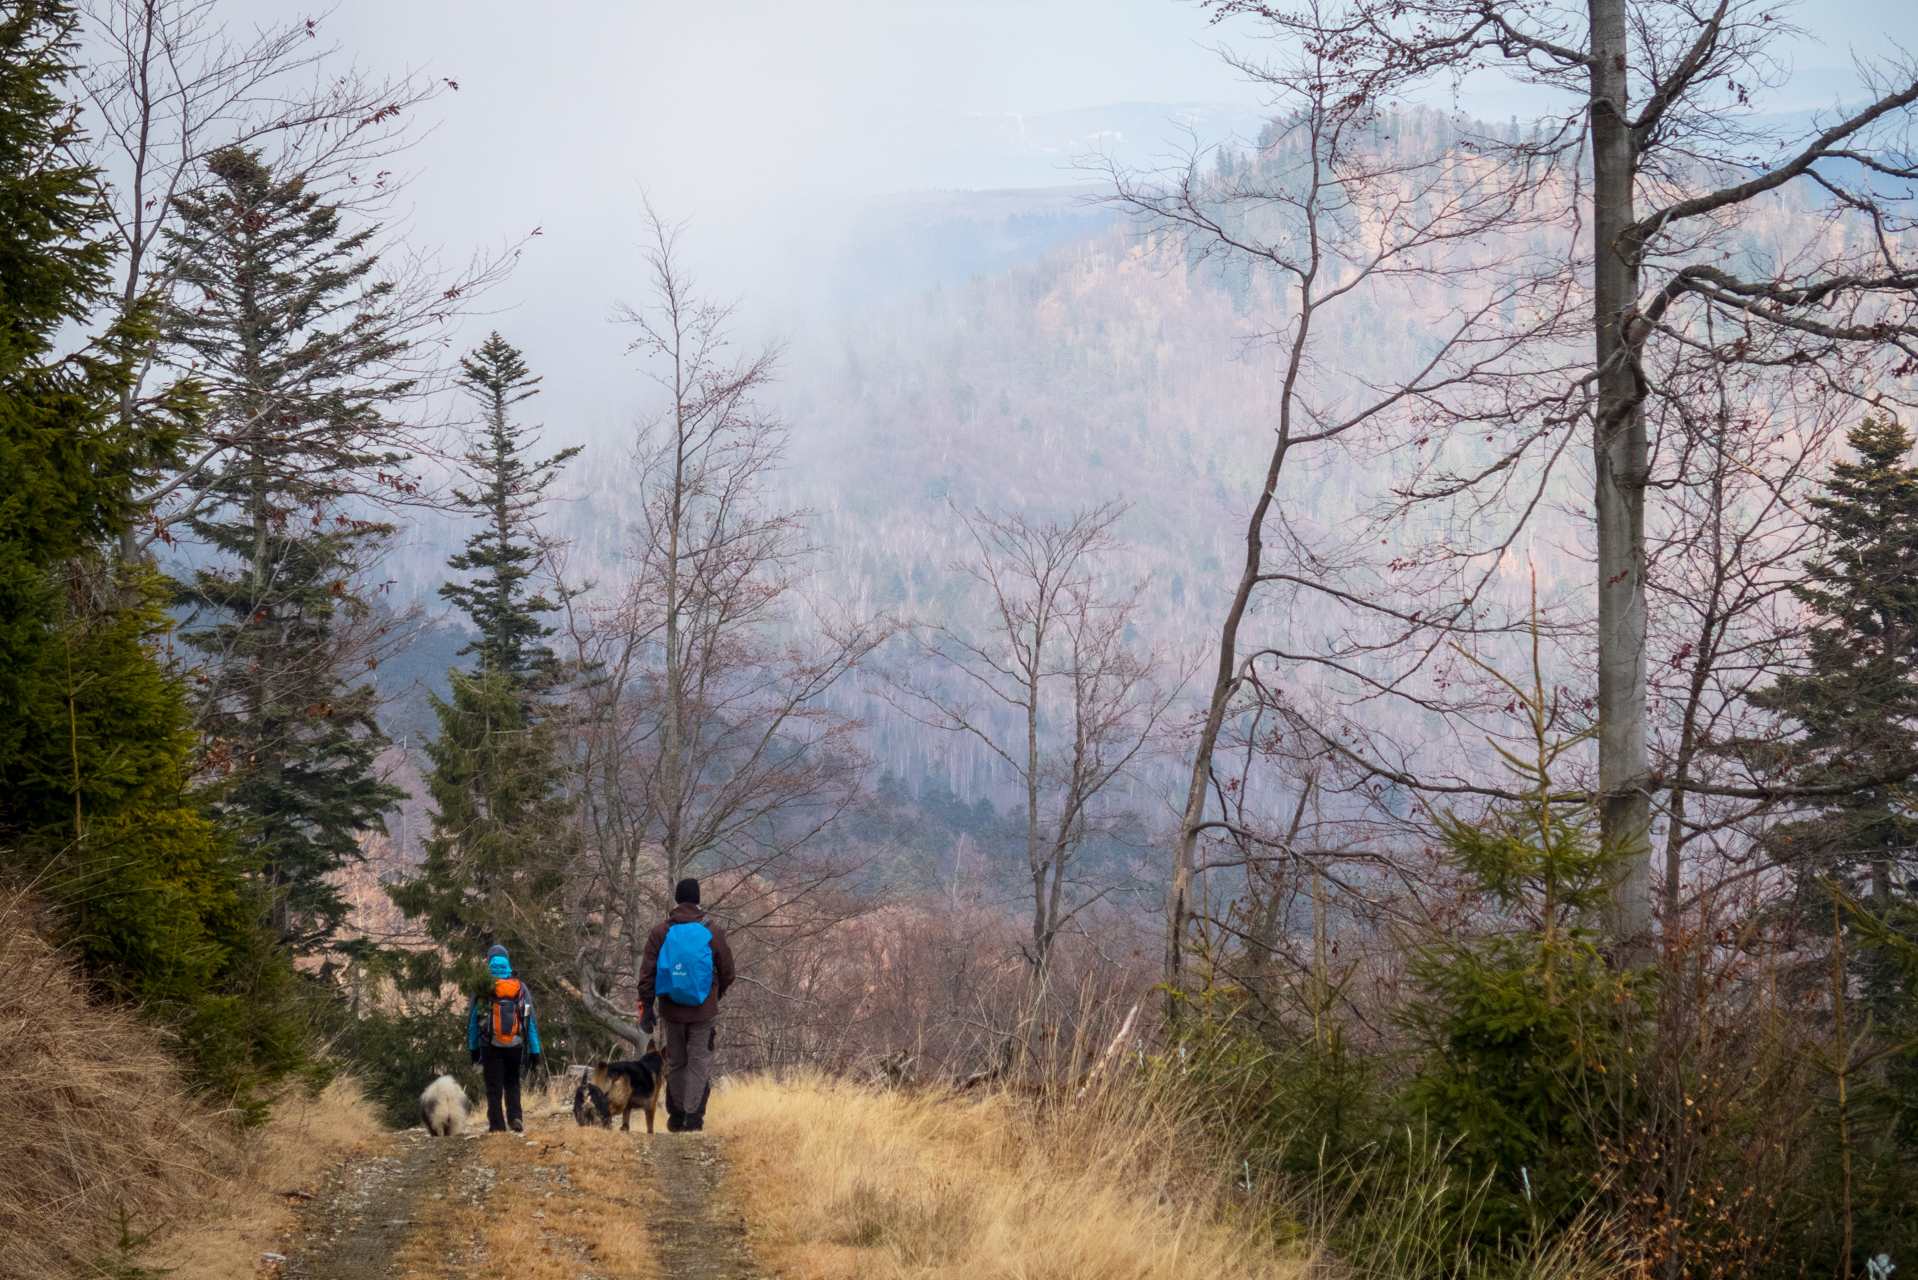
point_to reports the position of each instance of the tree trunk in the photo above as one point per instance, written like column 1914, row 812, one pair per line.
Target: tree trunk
column 1619, row 466
column 1179, row 892
column 604, row 1011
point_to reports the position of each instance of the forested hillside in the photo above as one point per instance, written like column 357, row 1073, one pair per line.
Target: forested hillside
column 1361, row 684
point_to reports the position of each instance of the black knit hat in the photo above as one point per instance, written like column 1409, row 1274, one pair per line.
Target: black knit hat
column 687, row 890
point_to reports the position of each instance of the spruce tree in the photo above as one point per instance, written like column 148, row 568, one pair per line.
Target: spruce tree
column 1857, row 701
column 1856, row 705
column 510, row 489
column 285, row 319
column 63, row 471
column 494, row 863
column 96, row 741
column 93, row 739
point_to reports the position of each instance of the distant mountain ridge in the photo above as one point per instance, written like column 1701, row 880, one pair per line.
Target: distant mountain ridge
column 1086, row 360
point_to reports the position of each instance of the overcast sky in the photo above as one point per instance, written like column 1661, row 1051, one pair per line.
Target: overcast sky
column 753, row 118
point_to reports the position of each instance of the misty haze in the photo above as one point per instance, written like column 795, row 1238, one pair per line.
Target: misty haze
column 1012, row 639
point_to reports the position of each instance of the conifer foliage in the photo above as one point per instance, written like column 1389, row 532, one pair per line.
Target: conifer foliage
column 287, row 322
column 97, row 806
column 1520, row 1029
column 1851, row 850
column 93, row 740
column 510, row 489
column 63, row 469
column 1857, row 701
column 496, row 858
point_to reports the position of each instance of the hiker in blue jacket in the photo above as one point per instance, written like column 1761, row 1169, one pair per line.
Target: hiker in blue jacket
column 502, row 1037
column 685, row 969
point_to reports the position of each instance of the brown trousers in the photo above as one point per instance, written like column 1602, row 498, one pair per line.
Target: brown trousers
column 689, row 1064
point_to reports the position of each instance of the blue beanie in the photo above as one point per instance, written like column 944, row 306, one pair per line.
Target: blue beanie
column 497, row 962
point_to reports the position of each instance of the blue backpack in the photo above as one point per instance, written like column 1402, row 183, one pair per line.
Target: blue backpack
column 686, row 964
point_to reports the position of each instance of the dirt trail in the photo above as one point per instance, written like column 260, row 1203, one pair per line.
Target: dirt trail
column 554, row 1203
column 698, row 1234
column 366, row 1207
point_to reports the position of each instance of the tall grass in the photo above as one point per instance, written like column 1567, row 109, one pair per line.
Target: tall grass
column 104, row 1144
column 1110, row 1177
column 845, row 1180
column 113, row 1166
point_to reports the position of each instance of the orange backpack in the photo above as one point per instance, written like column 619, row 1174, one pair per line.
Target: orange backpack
column 508, row 1028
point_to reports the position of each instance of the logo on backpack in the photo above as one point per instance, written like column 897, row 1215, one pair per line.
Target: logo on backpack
column 508, row 1028
column 686, row 964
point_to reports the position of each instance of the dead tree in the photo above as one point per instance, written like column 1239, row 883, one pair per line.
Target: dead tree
column 1052, row 688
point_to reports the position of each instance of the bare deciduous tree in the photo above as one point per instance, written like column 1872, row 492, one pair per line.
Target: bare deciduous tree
column 1336, row 213
column 1054, row 689
column 1661, row 131
column 704, row 743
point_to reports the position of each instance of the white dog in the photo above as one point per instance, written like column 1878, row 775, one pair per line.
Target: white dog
column 443, row 1107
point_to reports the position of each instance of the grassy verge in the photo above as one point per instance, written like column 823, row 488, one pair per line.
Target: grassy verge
column 104, row 1144
column 249, row 1212
column 841, row 1181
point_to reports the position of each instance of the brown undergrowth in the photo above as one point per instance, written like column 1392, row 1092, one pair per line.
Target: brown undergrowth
column 247, row 1211
column 111, row 1163
column 103, row 1139
column 840, row 1180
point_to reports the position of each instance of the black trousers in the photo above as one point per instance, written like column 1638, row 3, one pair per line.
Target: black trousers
column 500, row 1067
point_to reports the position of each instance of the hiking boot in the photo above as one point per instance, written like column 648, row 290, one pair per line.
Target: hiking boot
column 674, row 1122
column 516, row 1126
column 695, row 1123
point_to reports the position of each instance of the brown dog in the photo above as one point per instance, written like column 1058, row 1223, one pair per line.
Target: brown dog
column 621, row 1087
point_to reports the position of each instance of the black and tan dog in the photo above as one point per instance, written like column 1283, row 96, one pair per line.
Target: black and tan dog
column 589, row 1104
column 618, row 1087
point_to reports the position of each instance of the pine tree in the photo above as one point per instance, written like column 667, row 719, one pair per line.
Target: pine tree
column 1857, row 702
column 289, row 325
column 509, row 496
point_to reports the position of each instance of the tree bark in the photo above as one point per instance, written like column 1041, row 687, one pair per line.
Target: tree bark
column 1619, row 468
column 1185, row 858
column 603, row 1011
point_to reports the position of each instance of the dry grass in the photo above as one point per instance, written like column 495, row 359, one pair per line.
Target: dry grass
column 99, row 1123
column 897, row 1185
column 248, row 1211
column 97, row 1120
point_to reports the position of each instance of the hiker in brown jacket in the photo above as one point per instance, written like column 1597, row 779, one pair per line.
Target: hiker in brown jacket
column 690, row 1032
